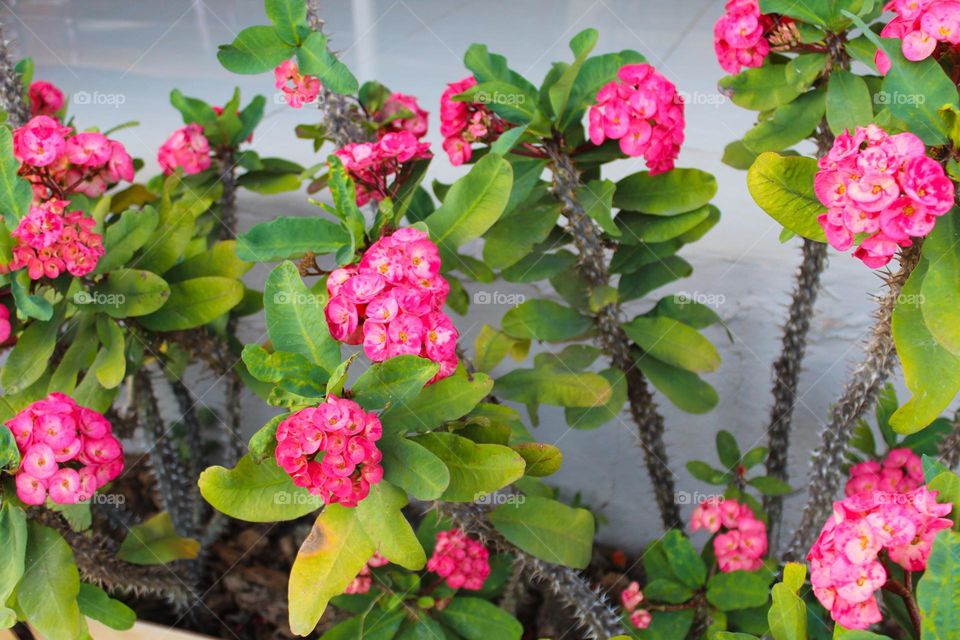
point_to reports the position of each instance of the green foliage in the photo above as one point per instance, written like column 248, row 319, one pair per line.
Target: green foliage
column 738, row 590
column 783, row 187
column 286, row 238
column 47, row 593
column 256, row 492
column 547, row 529
column 95, row 603
column 155, row 542
column 937, row 595
column 475, row 469
column 667, row 193
column 788, row 613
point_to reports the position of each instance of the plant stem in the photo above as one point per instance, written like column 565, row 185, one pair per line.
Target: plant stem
column 905, row 591
column 950, row 445
column 11, row 86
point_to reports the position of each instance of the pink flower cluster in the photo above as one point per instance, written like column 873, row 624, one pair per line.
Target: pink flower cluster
column 845, row 566
column 738, row 36
column 630, row 598
column 331, row 449
column 463, row 562
column 299, row 89
column 45, row 99
column 373, row 164
column 187, row 148
column 5, row 327
column 50, row 241
column 743, row 544
column 364, row 580
column 883, row 186
column 463, row 123
column 921, row 25
column 900, row 472
column 392, row 302
column 644, row 112
column 391, row 115
column 57, row 161
column 66, row 451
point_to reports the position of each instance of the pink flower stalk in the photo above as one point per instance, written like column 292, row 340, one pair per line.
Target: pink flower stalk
column 644, row 112
column 67, row 451
column 391, row 115
column 922, row 25
column 882, row 186
column 45, row 99
column 463, row 123
column 846, row 567
column 900, row 472
column 740, row 35
column 51, row 241
column 331, row 450
column 743, row 542
column 392, row 302
column 186, row 148
column 299, row 89
column 372, row 165
column 630, row 599
column 364, row 579
column 463, row 562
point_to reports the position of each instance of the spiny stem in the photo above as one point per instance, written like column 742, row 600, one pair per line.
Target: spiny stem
column 11, row 86
column 950, row 445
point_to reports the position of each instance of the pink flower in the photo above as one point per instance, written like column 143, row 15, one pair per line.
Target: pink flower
column 342, row 319
column 30, row 489
column 924, row 181
column 299, row 89
column 49, row 242
column 641, row 618
column 462, row 122
column 876, row 251
column 89, row 149
column 186, row 148
column 402, row 113
column 462, row 561
column 742, row 543
column 372, row 165
column 45, row 98
column 738, row 36
column 64, row 486
column 40, row 142
column 631, row 597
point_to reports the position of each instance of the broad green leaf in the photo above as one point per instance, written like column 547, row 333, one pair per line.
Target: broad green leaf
column 219, row 260
column 478, row 619
column 550, row 386
column 940, row 292
column 289, row 17
column 328, row 560
column 665, row 194
column 803, row 70
column 492, row 346
column 737, row 590
column 475, row 469
column 514, row 235
column 28, row 359
column 937, row 593
column 512, row 103
column 15, row 192
column 110, row 367
column 594, row 417
column 596, row 197
column 95, row 603
column 665, row 590
column 684, row 560
column 295, row 320
column 738, row 155
column 931, row 373
column 269, row 182
column 126, row 236
column 705, row 473
column 849, row 104
column 472, row 204
column 48, row 591
column 541, row 459
column 127, row 293
column 581, row 45
column 547, row 529
column 727, row 449
column 371, row 624
column 651, row 277
column 770, row 486
column 413, row 468
column 783, row 187
column 639, row 227
column 442, row 401
column 256, row 492
column 9, row 453
column 674, row 343
column 292, row 371
column 683, row 388
column 761, row 89
column 383, row 521
column 168, row 243
column 290, row 238
column 195, row 302
column 790, row 123
column 193, row 109
column 545, row 320
column 316, row 60
column 30, row 305
column 155, row 542
column 263, row 443
column 393, row 382
column 255, row 50
column 13, row 541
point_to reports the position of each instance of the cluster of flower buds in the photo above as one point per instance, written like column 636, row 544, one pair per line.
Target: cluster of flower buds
column 392, row 302
column 401, row 112
column 376, row 167
column 630, row 598
column 463, row 563
column 901, row 471
column 331, row 450
column 464, row 123
column 66, row 451
column 50, row 240
column 922, row 25
column 743, row 543
column 740, row 35
column 186, row 148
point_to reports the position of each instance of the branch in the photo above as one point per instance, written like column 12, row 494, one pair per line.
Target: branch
column 950, row 446
column 11, row 86
column 613, row 340
column 859, row 394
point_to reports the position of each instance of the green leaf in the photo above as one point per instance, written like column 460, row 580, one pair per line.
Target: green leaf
column 541, row 459
column 770, row 486
column 292, row 371
column 545, row 320
column 48, row 591
column 931, row 373
column 289, row 238
column 803, row 70
column 9, row 454
column 514, row 235
column 665, row 194
column 288, row 16
column 264, row 442
column 127, row 293
column 849, row 104
column 547, row 529
column 511, row 102
column 581, row 45
column 761, row 89
column 705, row 473
column 155, row 542
column 126, row 236
column 783, row 187
column 194, row 303
column 168, row 243
column 295, row 320
column 674, row 343
column 639, row 227
column 651, row 277
column 28, row 359
column 475, row 469
column 393, row 382
column 255, row 50
column 597, row 200
column 219, row 260
column 940, row 292
column 737, row 590
column 110, row 367
column 95, row 603
column 256, row 492
column 477, row 619
column 790, row 123
column 664, row 590
column 15, row 192
column 193, row 109
column 738, row 155
column 594, row 417
column 32, row 306
column 269, row 182
column 13, row 541
column 684, row 560
column 443, row 401
column 550, row 386
column 472, row 204
column 316, row 60
column 727, row 449
column 383, row 521
column 328, row 560
column 413, row 468
column 937, row 594
column 683, row 388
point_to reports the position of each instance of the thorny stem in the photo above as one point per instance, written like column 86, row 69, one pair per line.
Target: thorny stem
column 11, row 86
column 950, row 445
column 613, row 340
column 860, row 392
